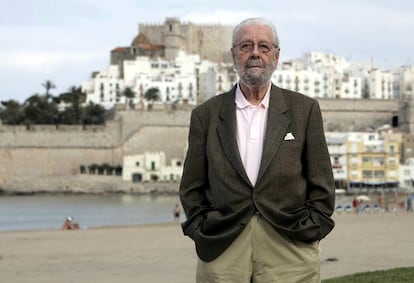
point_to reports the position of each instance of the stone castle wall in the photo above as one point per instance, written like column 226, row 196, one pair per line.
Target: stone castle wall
column 211, row 42
column 356, row 114
column 47, row 151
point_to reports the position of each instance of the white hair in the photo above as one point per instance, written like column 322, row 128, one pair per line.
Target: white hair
column 254, row 21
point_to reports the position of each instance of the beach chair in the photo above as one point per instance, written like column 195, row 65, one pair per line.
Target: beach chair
column 348, row 208
column 367, row 208
column 339, row 208
column 376, row 208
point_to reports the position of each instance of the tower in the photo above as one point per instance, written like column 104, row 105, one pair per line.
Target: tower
column 172, row 37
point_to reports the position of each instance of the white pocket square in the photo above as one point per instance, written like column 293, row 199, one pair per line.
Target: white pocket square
column 289, row 137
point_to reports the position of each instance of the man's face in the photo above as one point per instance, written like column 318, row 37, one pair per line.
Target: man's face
column 256, row 66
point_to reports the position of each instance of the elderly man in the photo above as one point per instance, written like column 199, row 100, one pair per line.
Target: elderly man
column 257, row 186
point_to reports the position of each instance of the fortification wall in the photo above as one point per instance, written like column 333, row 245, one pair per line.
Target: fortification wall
column 47, row 151
column 357, row 114
column 60, row 137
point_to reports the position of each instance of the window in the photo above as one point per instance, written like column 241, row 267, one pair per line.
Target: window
column 366, row 160
column 137, row 164
column 378, row 161
column 367, row 174
column 379, row 174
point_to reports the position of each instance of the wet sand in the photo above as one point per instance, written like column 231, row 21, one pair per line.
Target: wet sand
column 160, row 253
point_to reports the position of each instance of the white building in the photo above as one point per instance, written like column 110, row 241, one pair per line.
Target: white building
column 322, row 75
column 380, row 84
column 188, row 79
column 407, row 174
column 306, row 81
column 172, row 88
column 182, row 80
column 336, row 143
column 105, row 87
column 151, row 166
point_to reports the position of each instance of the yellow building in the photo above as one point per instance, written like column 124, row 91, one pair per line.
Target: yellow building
column 373, row 160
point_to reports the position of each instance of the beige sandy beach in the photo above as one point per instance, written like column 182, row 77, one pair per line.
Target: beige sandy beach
column 160, row 253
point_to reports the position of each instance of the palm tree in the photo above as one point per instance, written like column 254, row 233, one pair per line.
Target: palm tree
column 75, row 97
column 48, row 85
column 151, row 95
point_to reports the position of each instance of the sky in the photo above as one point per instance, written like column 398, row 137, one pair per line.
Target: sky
column 65, row 41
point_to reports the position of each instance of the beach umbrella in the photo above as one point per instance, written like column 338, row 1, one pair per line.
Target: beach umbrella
column 363, row 198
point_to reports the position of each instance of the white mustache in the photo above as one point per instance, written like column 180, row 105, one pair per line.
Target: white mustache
column 254, row 63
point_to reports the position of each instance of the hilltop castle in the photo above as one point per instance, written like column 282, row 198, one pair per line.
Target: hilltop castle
column 211, row 42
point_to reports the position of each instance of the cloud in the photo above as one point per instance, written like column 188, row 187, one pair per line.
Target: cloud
column 40, row 61
column 23, row 71
column 220, row 16
column 66, row 40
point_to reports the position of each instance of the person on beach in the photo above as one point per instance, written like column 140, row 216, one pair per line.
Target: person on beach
column 177, row 212
column 69, row 224
column 355, row 205
column 409, row 204
column 257, row 186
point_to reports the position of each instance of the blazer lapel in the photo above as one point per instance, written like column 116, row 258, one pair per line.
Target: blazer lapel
column 277, row 125
column 226, row 132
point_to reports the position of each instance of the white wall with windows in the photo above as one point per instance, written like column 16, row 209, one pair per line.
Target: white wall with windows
column 406, row 174
column 151, row 166
column 380, row 84
column 105, row 87
column 177, row 80
column 315, row 74
column 336, row 143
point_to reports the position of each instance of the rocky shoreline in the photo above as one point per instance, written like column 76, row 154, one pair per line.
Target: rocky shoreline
column 85, row 184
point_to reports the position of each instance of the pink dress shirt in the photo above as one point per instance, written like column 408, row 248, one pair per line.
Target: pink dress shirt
column 251, row 130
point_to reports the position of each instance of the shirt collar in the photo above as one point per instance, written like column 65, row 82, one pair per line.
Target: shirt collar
column 241, row 101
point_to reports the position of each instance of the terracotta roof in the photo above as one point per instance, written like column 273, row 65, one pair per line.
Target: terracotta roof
column 143, row 42
column 120, row 49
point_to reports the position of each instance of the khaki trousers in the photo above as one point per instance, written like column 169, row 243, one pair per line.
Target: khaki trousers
column 261, row 254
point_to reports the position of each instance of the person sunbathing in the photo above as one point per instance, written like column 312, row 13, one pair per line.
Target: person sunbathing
column 69, row 224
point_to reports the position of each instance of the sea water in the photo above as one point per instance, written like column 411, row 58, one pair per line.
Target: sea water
column 43, row 212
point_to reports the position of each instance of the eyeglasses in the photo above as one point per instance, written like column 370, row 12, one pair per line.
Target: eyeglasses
column 248, row 46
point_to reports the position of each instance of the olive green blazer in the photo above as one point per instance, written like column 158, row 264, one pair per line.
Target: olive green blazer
column 294, row 190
